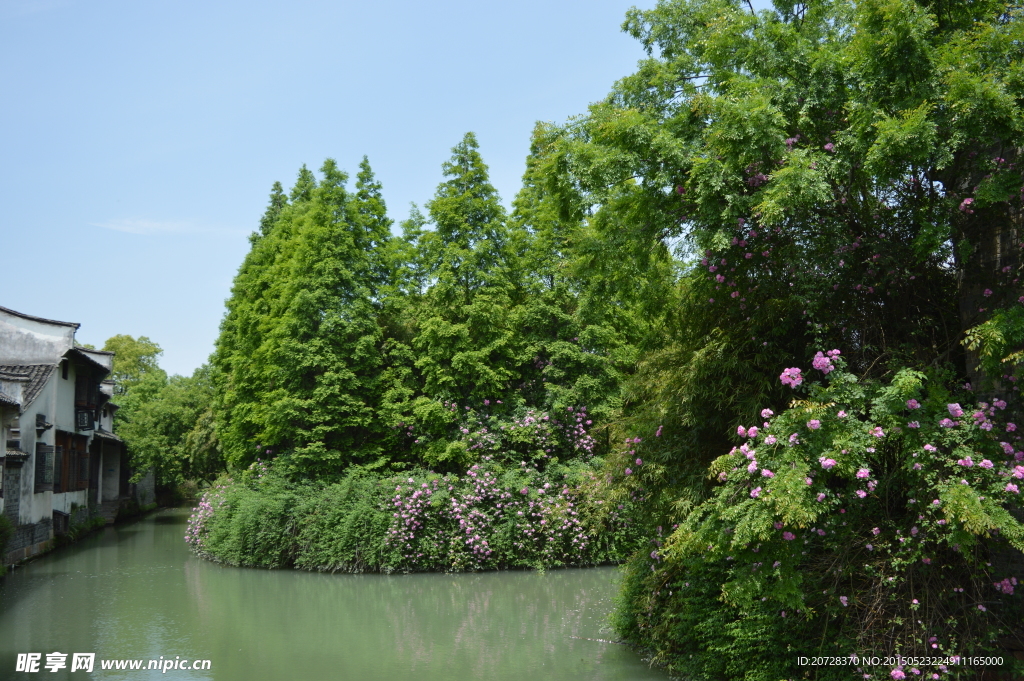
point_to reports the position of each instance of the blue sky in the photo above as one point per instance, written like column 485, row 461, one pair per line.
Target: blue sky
column 141, row 139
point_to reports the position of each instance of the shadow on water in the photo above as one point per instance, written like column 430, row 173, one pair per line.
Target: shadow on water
column 49, row 569
column 142, row 595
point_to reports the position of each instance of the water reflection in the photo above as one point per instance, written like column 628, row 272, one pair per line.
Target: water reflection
column 136, row 592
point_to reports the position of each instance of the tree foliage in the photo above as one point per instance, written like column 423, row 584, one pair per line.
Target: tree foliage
column 168, row 428
column 134, row 360
column 301, row 352
column 830, row 174
column 341, row 339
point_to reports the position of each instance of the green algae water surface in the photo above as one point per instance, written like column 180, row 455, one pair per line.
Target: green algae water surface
column 135, row 592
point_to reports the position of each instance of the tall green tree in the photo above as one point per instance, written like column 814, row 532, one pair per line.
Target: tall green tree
column 580, row 337
column 301, row 351
column 134, row 359
column 470, row 231
column 278, row 200
column 465, row 340
column 248, row 321
column 817, row 185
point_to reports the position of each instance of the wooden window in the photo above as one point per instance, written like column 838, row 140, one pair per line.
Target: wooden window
column 84, row 419
column 44, row 467
column 81, row 391
column 58, row 469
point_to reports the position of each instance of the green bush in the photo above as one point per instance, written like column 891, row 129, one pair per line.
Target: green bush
column 677, row 614
column 866, row 517
column 493, row 517
column 343, row 527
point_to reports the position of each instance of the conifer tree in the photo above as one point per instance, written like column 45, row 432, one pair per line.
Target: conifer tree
column 278, row 200
column 575, row 346
column 374, row 229
column 466, row 342
column 470, row 230
column 300, row 355
column 245, row 326
column 304, row 185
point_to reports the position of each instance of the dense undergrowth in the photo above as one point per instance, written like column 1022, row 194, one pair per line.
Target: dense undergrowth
column 492, row 517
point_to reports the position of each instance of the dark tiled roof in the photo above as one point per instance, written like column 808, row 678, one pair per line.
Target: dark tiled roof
column 75, row 352
column 7, row 399
column 106, row 435
column 37, row 375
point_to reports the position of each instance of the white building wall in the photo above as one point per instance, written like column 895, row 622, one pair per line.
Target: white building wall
column 68, row 501
column 34, row 342
column 63, row 411
column 107, row 419
column 25, row 340
column 35, row 507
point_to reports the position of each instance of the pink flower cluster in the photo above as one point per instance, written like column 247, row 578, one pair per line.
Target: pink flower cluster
column 1006, row 585
column 460, row 533
column 791, row 377
column 209, row 503
column 823, row 363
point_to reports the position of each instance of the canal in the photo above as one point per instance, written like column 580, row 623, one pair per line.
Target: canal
column 136, row 592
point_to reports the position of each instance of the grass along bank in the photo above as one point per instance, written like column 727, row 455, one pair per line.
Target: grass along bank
column 491, row 517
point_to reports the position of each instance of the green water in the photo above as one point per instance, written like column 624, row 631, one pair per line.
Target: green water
column 135, row 592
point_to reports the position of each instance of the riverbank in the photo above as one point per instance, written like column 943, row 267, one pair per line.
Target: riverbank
column 490, row 518
column 82, row 523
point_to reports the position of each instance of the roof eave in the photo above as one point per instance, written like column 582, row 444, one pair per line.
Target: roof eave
column 8, row 310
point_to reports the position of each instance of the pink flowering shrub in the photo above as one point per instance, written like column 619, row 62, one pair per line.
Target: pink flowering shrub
column 209, row 502
column 456, row 436
column 892, row 508
column 489, row 517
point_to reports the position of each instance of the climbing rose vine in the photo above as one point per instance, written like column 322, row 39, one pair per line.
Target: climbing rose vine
column 866, row 502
